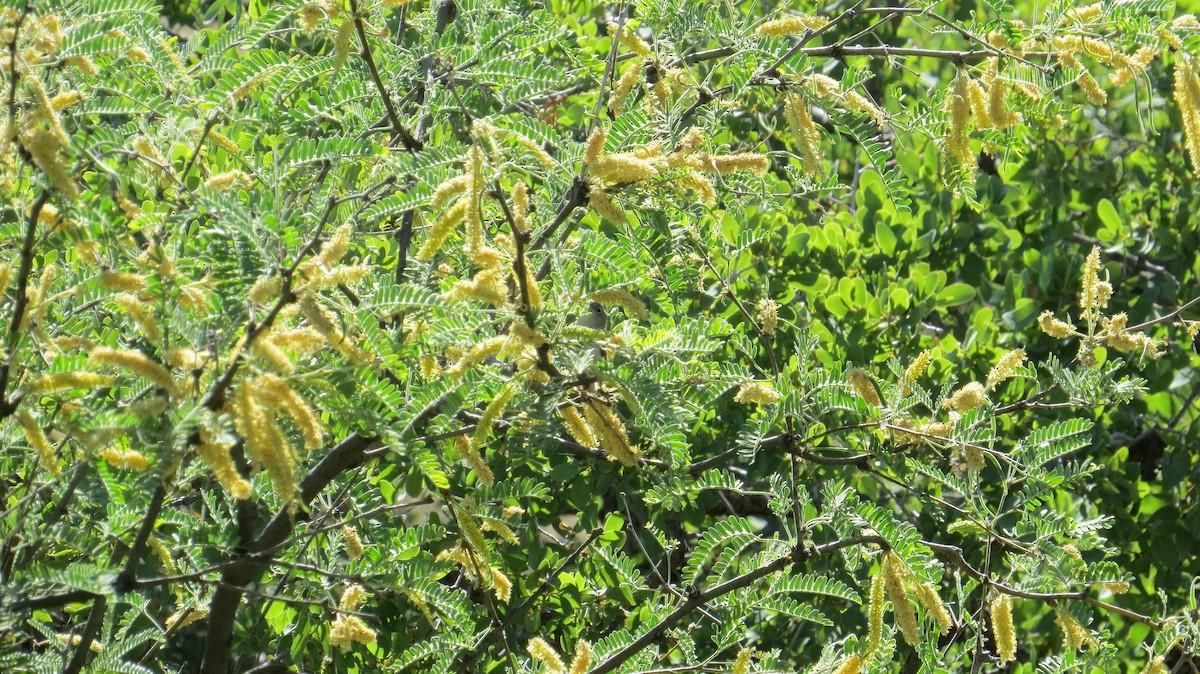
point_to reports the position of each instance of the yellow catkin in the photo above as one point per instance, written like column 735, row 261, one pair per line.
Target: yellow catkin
column 1091, row 89
column 1156, row 666
column 741, row 664
column 224, row 142
column 1054, row 327
column 757, row 393
column 141, row 312
column 748, row 161
column 476, row 354
column 852, row 665
column 998, row 112
column 347, row 630
column 322, row 321
column 577, row 426
column 1004, row 368
column 342, row 43
column 309, row 17
column 915, row 369
column 442, row 228
column 622, row 298
column 501, row 585
column 622, row 87
column 977, row 97
column 1002, row 628
column 932, row 602
column 958, row 110
column 128, row 458
column 121, row 281
column 541, row 651
column 630, row 40
column 37, row 440
column 595, row 145
column 1187, row 96
column 276, row 392
column 44, row 146
column 790, row 25
column 214, row 452
column 582, row 659
column 767, row 312
column 520, row 198
column 603, row 204
column 469, row 452
column 610, row 433
column 352, row 542
column 138, row 364
column 863, row 386
column 623, row 168
column 967, row 398
column 63, row 381
column 893, row 582
column 488, row 419
column 1091, row 296
column 474, row 228
column 223, row 181
column 808, row 140
column 1075, row 636
column 184, row 617
column 875, row 608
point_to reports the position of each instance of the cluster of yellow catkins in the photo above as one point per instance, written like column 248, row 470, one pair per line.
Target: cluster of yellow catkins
column 599, row 426
column 256, row 406
column 545, row 654
column 1107, row 330
column 473, row 555
column 893, row 584
column 680, row 169
column 349, row 629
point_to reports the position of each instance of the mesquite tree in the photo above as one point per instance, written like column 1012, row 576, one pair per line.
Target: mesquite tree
column 470, row 336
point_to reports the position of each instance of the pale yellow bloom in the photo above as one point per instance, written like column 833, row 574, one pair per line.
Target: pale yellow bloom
column 967, row 398
column 352, row 542
column 863, row 386
column 1054, row 327
column 543, row 652
column 582, row 659
column 1004, row 368
column 757, row 392
column 1002, row 628
column 790, row 25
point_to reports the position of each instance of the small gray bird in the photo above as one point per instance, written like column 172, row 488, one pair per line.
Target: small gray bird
column 594, row 317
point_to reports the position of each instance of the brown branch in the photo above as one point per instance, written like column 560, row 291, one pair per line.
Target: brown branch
column 347, row 454
column 398, row 130
column 127, row 579
column 696, row 599
column 955, row 555
column 91, row 630
column 21, row 303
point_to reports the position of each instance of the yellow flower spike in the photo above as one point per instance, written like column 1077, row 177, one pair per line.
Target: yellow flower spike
column 767, row 311
column 138, row 364
column 630, row 40
column 875, row 608
column 352, row 542
column 37, row 440
column 277, row 393
column 894, row 574
column 1002, row 628
column 543, row 652
column 864, row 387
column 128, row 459
column 967, row 398
column 595, row 145
column 958, row 109
column 623, row 168
column 487, row 420
column 604, row 206
column 622, row 298
column 622, row 87
column 1156, row 666
column 741, row 664
column 852, row 665
column 501, row 585
column 610, row 433
column 1054, row 327
column 583, row 658
column 932, row 601
column 342, row 43
column 915, row 370
column 63, row 381
column 1075, row 636
column 1187, row 95
column 790, row 25
column 577, row 427
column 214, row 452
column 1004, row 368
column 807, row 138
column 757, row 393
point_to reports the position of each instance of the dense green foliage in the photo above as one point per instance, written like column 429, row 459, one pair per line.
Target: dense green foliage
column 383, row 336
